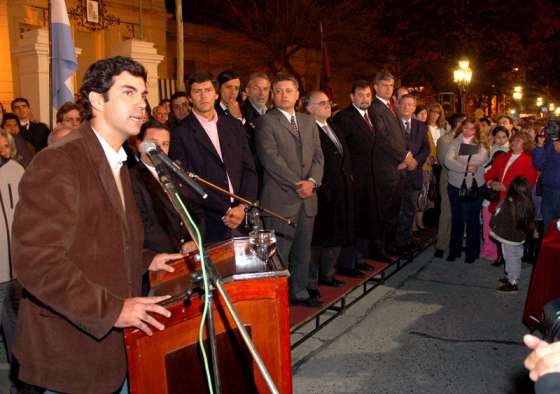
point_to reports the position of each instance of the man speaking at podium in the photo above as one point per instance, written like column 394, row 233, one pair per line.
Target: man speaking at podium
column 77, row 239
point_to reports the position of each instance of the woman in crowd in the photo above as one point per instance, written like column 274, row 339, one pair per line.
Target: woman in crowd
column 468, row 169
column 10, row 175
column 500, row 140
column 506, row 167
column 444, row 222
column 436, row 128
column 512, row 224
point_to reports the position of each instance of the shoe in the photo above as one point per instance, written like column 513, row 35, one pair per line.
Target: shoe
column 332, row 283
column 469, row 260
column 503, row 279
column 351, row 272
column 507, row 287
column 309, row 302
column 314, row 293
column 438, row 254
column 381, row 258
column 365, row 267
column 498, row 262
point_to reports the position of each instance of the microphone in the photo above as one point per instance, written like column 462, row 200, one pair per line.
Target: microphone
column 161, row 159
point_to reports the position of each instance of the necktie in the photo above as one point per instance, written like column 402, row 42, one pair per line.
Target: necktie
column 330, row 133
column 366, row 117
column 294, row 124
column 407, row 126
column 391, row 108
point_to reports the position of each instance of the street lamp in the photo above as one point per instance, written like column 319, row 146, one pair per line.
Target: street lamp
column 462, row 76
column 539, row 101
column 518, row 93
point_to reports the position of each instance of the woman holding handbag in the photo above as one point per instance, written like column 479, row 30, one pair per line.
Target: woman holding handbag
column 465, row 160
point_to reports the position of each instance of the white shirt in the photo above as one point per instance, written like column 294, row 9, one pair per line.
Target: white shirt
column 435, row 132
column 409, row 121
column 289, row 115
column 115, row 159
column 383, row 101
column 361, row 111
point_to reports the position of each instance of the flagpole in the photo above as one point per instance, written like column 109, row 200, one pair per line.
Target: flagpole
column 51, row 115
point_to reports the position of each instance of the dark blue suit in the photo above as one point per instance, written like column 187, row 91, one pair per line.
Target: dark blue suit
column 193, row 148
column 418, row 144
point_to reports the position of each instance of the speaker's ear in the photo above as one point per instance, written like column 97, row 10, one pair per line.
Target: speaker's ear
column 96, row 100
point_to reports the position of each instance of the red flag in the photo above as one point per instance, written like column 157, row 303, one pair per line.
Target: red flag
column 325, row 85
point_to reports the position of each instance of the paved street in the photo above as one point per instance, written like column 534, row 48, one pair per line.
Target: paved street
column 434, row 327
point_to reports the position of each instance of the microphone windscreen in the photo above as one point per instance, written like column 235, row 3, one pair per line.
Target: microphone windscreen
column 148, row 147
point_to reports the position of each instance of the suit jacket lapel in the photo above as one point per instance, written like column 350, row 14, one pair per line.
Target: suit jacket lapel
column 154, row 186
column 284, row 122
column 201, row 136
column 104, row 172
column 361, row 121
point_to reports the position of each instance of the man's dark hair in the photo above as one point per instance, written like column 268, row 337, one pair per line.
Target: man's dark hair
column 497, row 129
column 65, row 108
column 285, row 77
column 8, row 116
column 200, row 77
column 226, row 76
column 150, row 124
column 100, row 75
column 455, row 118
column 485, row 120
column 360, row 84
column 165, row 100
column 175, row 96
column 19, row 100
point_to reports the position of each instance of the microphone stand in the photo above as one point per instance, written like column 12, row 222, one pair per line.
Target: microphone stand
column 216, row 282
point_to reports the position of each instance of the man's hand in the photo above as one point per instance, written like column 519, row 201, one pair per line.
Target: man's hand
column 412, row 165
column 557, row 146
column 402, row 166
column 135, row 313
column 545, row 357
column 234, row 216
column 500, row 187
column 188, row 247
column 159, row 262
column 305, row 189
column 234, row 109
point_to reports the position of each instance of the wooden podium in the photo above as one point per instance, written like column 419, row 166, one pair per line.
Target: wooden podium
column 170, row 361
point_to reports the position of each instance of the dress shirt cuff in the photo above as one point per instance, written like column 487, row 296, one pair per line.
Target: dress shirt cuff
column 314, row 182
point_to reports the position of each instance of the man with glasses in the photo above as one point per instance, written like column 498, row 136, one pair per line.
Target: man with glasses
column 180, row 109
column 334, row 224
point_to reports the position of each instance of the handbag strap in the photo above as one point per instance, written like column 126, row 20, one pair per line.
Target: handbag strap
column 467, row 169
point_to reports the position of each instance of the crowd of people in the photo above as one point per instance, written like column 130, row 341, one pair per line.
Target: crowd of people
column 357, row 181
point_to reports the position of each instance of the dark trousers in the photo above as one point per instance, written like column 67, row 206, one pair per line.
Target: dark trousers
column 464, row 213
column 406, row 215
column 322, row 264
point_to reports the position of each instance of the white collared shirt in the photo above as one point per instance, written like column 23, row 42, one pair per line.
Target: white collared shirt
column 116, row 160
column 288, row 115
column 361, row 111
column 331, row 134
column 383, row 101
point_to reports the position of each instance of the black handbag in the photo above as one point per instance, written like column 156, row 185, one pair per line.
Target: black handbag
column 468, row 193
column 491, row 194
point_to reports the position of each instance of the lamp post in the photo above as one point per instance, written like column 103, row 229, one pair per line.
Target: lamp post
column 462, row 76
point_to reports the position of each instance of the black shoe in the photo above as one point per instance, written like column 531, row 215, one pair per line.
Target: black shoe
column 352, row 273
column 469, row 260
column 332, row 283
column 365, row 267
column 381, row 258
column 503, row 279
column 438, row 254
column 498, row 262
column 508, row 287
column 310, row 302
column 314, row 293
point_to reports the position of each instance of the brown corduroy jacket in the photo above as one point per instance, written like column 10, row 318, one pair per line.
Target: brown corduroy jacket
column 78, row 255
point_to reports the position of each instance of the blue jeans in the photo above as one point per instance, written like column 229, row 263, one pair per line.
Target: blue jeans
column 550, row 206
column 464, row 213
column 123, row 390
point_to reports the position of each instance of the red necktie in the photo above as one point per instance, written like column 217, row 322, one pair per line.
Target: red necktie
column 391, row 108
column 366, row 117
